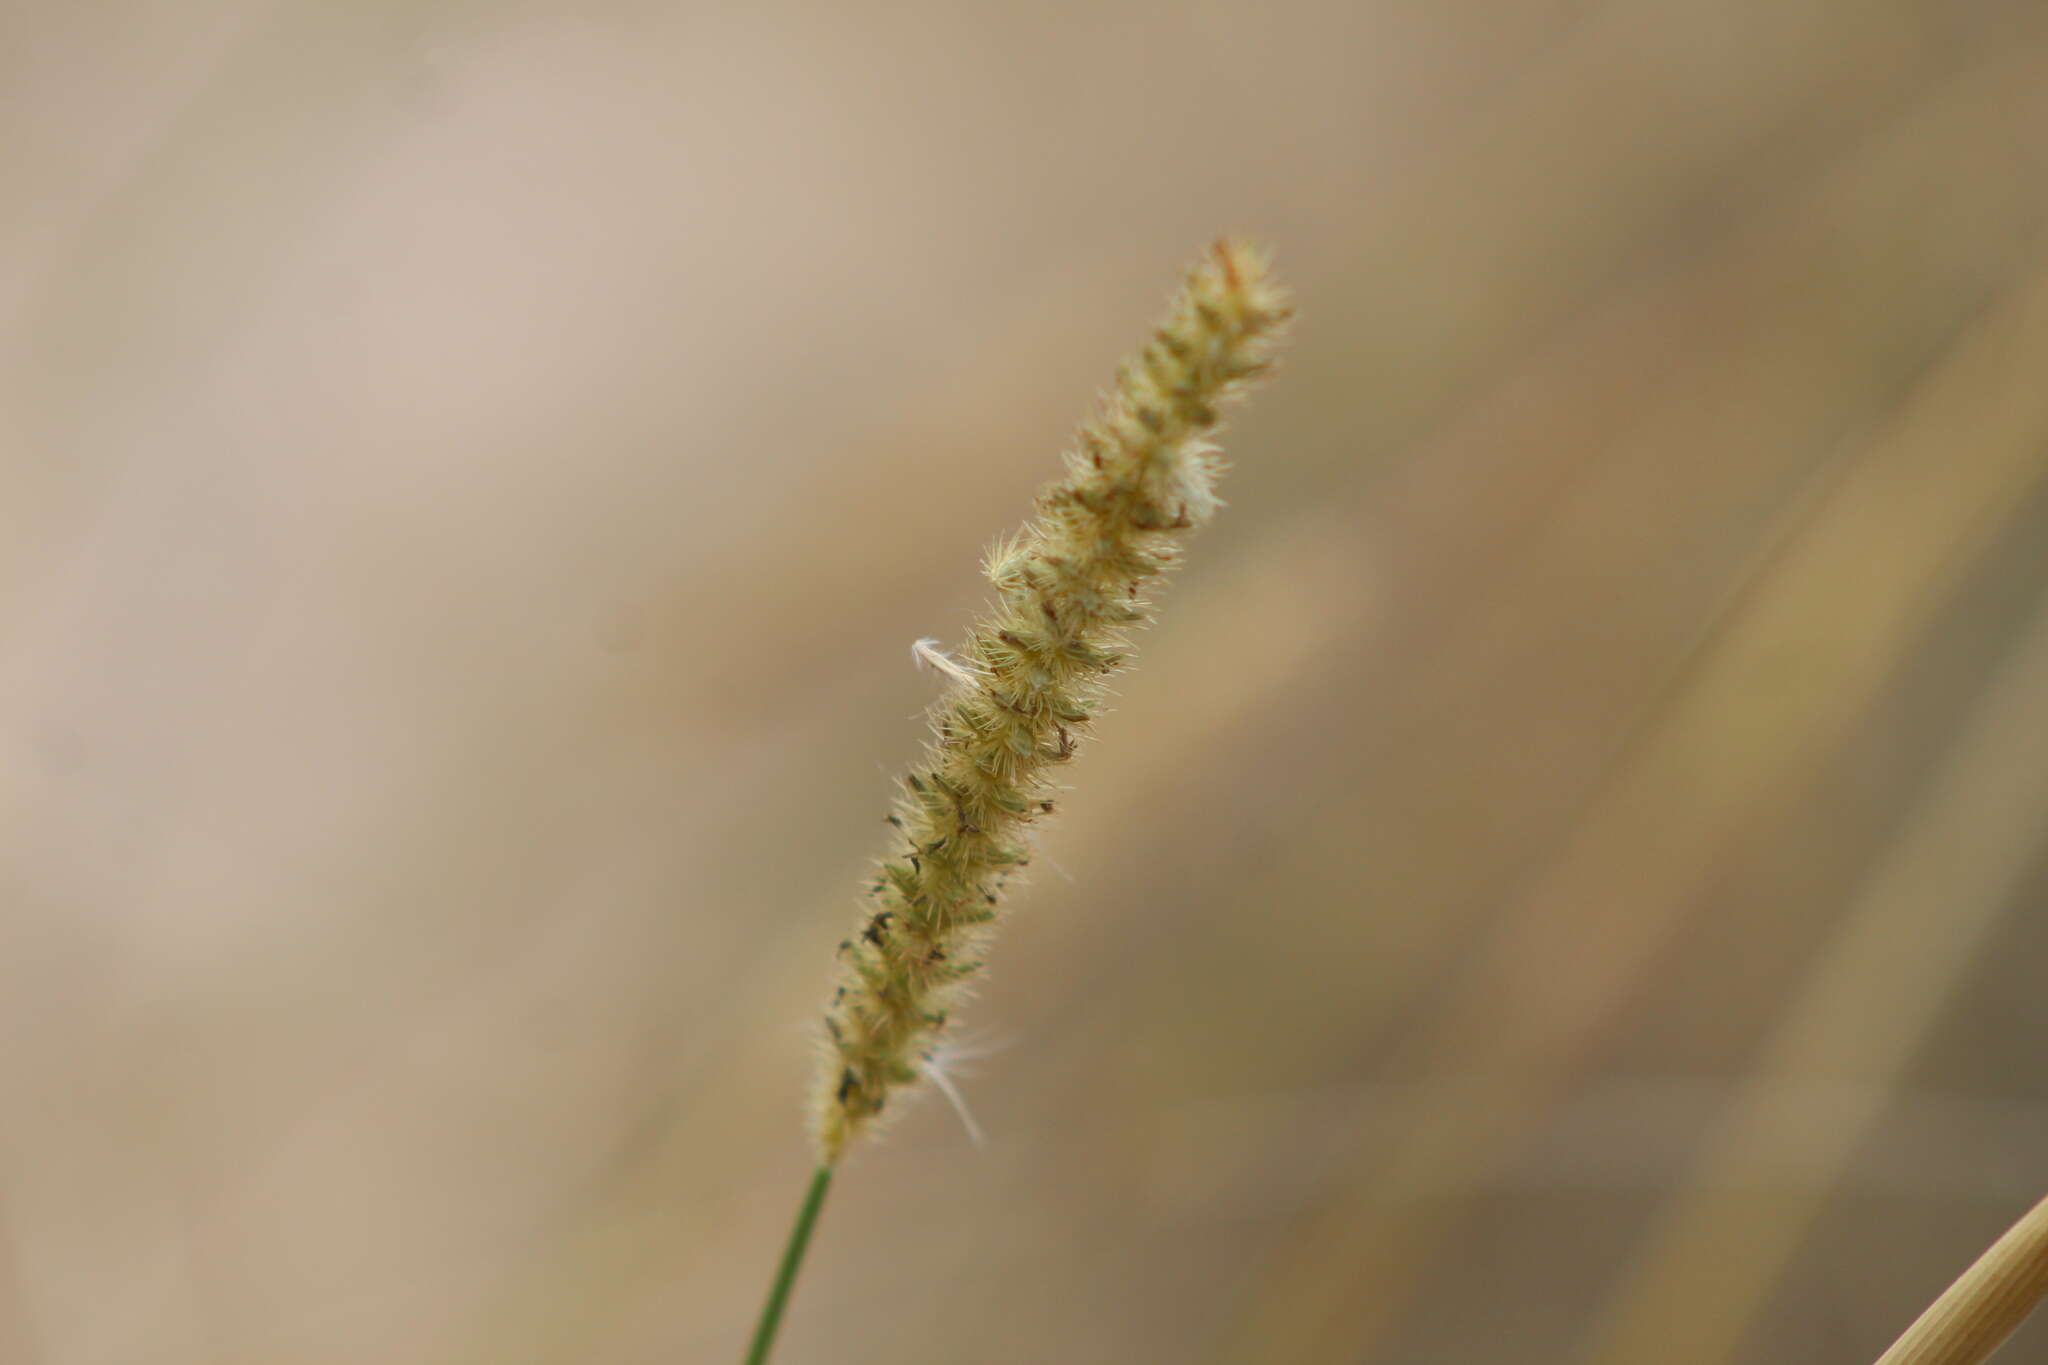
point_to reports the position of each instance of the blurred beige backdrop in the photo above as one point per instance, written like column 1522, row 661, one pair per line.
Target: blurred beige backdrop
column 1561, row 886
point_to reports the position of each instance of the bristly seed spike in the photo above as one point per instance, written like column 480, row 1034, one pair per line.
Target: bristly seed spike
column 1021, row 693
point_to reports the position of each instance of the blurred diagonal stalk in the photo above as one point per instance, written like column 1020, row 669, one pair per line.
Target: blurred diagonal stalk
column 1927, row 912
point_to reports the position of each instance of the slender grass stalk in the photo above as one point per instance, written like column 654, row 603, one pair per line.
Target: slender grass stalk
column 792, row 1262
column 1986, row 1305
column 1021, row 695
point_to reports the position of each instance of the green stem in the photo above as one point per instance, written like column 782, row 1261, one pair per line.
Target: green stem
column 792, row 1261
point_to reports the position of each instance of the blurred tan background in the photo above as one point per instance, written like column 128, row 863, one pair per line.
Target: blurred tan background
column 1560, row 887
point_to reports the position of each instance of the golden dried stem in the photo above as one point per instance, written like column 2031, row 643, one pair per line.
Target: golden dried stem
column 1986, row 1305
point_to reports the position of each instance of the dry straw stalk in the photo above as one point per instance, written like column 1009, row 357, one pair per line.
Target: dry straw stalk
column 1986, row 1305
column 1022, row 691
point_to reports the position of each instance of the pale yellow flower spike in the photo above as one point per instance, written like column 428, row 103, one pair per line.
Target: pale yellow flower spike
column 1022, row 690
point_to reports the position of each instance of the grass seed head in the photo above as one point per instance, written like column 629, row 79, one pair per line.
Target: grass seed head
column 1021, row 692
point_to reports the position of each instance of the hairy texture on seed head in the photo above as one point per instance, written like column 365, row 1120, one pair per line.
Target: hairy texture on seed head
column 1028, row 681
